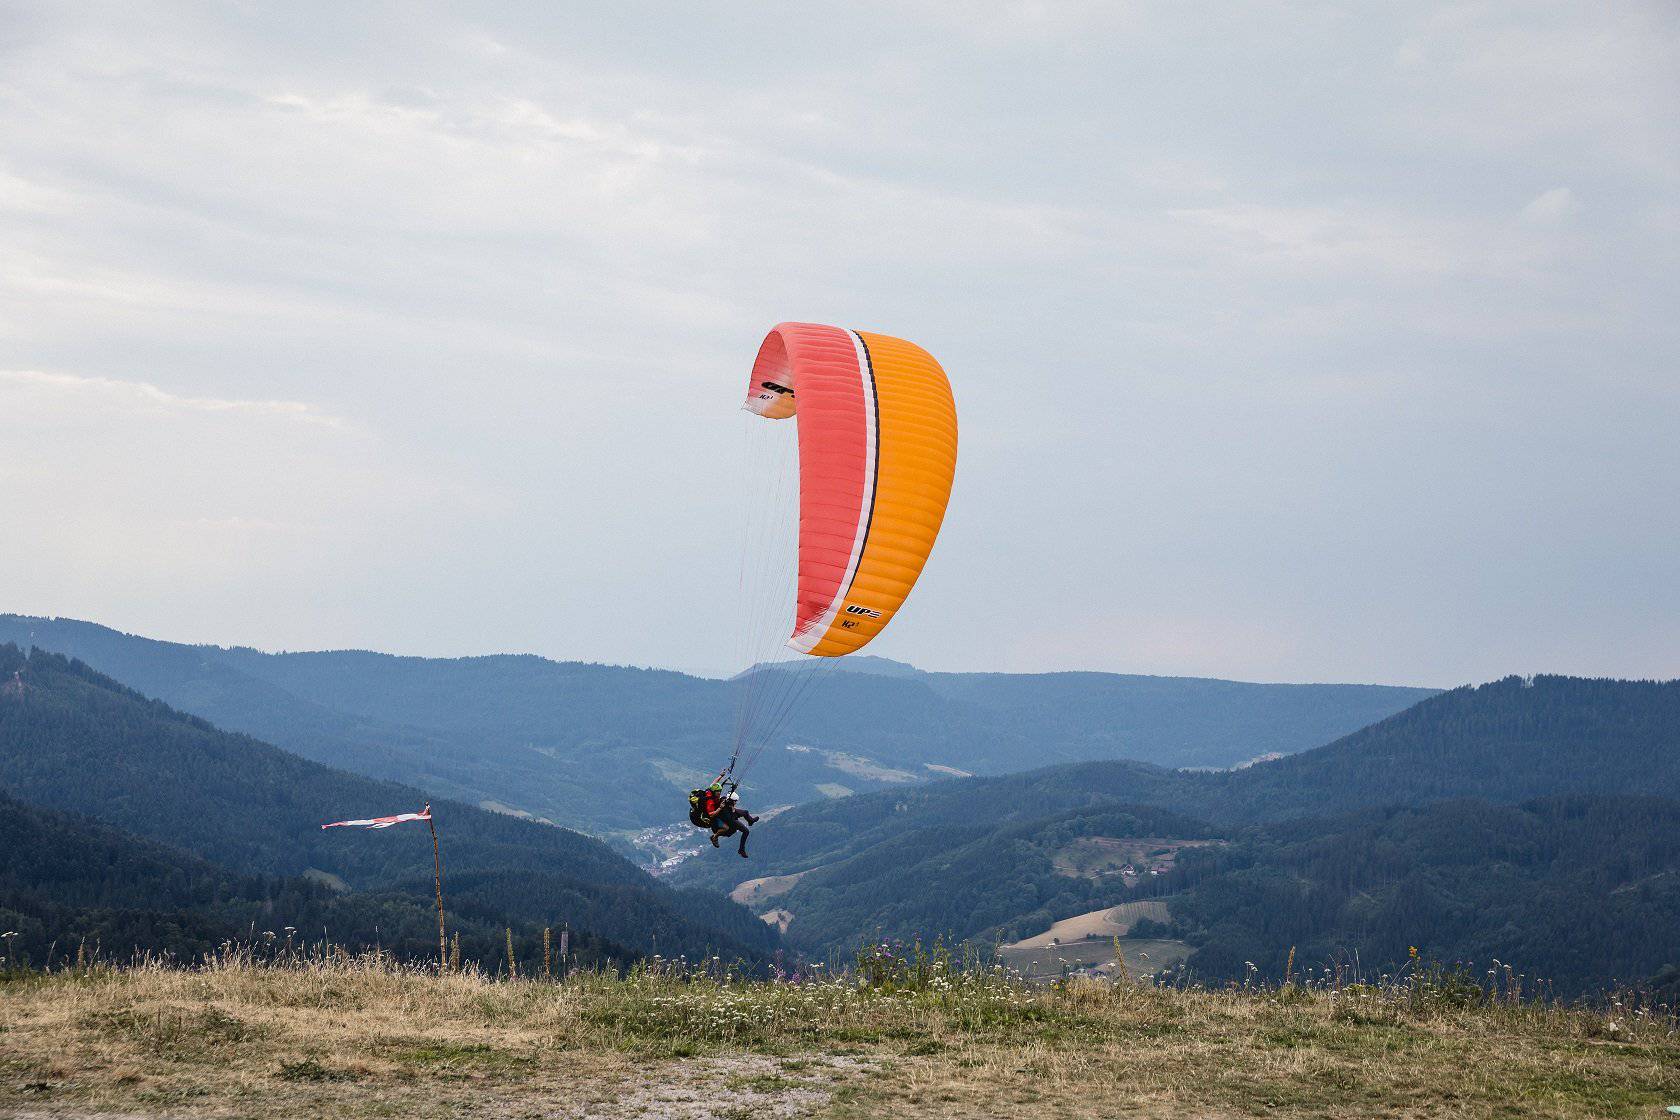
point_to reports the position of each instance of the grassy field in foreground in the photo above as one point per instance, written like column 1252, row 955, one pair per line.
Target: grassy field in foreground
column 1143, row 956
column 354, row 1038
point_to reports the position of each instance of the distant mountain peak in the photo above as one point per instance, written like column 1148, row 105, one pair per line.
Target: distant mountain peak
column 864, row 663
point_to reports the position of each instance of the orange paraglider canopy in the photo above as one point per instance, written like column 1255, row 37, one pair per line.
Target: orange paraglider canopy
column 877, row 454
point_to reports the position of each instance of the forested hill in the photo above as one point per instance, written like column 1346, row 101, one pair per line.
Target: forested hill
column 1507, row 741
column 1581, row 891
column 987, row 881
column 72, row 739
column 1510, row 740
column 604, row 747
column 1538, row 821
column 69, row 886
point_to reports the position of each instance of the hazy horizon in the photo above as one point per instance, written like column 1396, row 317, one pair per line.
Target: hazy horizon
column 855, row 662
column 1289, row 343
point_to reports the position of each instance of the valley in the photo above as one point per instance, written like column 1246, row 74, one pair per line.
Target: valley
column 1422, row 828
column 612, row 750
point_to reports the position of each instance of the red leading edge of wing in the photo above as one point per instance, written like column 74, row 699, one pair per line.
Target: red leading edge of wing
column 820, row 364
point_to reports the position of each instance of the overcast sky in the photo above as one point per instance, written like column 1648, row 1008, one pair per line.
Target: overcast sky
column 1290, row 341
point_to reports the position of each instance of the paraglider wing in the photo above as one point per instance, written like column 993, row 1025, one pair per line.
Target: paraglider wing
column 877, row 453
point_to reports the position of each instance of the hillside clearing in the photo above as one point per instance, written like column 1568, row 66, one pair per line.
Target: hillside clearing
column 362, row 1038
column 1110, row 921
column 754, row 891
column 1129, row 859
column 1087, row 943
column 857, row 766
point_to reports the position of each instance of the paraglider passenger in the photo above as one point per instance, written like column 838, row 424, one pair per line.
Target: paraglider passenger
column 731, row 819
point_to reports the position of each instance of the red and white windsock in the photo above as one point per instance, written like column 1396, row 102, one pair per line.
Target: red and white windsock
column 385, row 822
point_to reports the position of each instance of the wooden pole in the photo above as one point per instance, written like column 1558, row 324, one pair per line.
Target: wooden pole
column 437, row 882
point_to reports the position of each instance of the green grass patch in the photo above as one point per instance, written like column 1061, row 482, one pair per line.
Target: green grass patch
column 310, row 1069
column 463, row 1056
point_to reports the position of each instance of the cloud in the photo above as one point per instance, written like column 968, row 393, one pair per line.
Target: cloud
column 60, row 392
column 1341, row 240
column 427, row 330
column 20, row 196
column 1549, row 207
column 148, row 466
column 209, row 507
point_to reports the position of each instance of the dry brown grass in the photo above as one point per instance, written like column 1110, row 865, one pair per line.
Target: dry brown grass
column 352, row 1038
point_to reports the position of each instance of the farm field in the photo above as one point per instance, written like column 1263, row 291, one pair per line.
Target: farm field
column 1086, row 942
column 1109, row 922
column 1128, row 859
column 754, row 891
column 362, row 1038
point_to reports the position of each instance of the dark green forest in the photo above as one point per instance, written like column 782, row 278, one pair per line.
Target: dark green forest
column 993, row 883
column 70, row 886
column 73, row 740
column 1581, row 891
column 1565, row 863
column 1509, row 741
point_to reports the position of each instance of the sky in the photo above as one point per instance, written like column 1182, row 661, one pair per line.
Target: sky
column 1290, row 341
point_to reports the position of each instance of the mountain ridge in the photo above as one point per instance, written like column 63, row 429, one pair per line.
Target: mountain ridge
column 541, row 737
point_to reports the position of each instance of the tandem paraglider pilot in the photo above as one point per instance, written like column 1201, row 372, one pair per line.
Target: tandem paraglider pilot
column 717, row 807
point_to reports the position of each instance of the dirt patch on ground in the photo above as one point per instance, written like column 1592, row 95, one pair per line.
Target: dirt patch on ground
column 691, row 1089
column 749, row 1085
